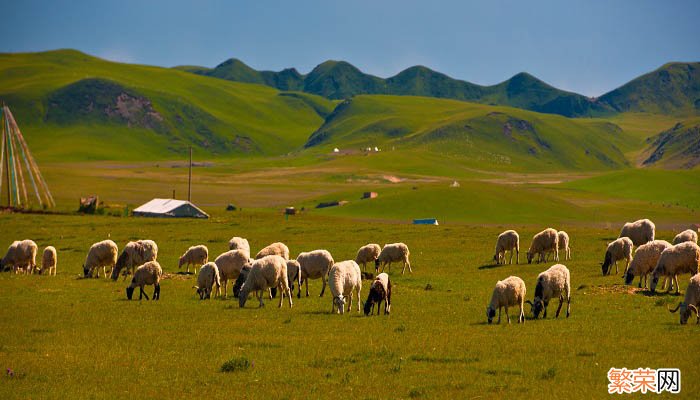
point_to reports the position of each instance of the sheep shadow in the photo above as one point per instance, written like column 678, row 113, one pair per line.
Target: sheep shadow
column 492, row 266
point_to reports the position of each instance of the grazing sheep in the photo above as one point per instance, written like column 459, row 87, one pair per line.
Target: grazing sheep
column 195, row 255
column 241, row 280
column 379, row 291
column 49, row 260
column 508, row 292
column 641, row 231
column 367, row 254
column 344, row 278
column 277, row 248
column 563, row 238
column 20, row 256
column 239, row 243
column 552, row 283
column 314, row 265
column 691, row 302
column 206, row 279
column 294, row 275
column 679, row 259
column 267, row 272
column 102, row 254
column 619, row 249
column 687, row 235
column 230, row 265
column 507, row 241
column 543, row 242
column 146, row 274
column 135, row 254
column 394, row 252
column 644, row 261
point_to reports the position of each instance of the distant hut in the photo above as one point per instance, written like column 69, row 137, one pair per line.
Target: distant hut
column 170, row 208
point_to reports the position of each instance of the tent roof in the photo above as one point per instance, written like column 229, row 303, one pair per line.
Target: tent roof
column 170, row 208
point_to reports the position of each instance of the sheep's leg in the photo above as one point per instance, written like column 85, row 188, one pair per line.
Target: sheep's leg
column 675, row 279
column 517, row 256
column 406, row 262
column 568, row 305
column 350, row 302
column 360, row 301
column 259, row 295
column 333, row 305
column 307, row 286
column 281, row 289
column 561, row 302
column 289, row 292
column 546, row 303
column 616, row 270
column 499, row 315
column 156, row 291
column 323, row 289
column 521, row 315
column 507, row 316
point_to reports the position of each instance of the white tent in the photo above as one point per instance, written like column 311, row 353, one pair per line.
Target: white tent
column 170, row 208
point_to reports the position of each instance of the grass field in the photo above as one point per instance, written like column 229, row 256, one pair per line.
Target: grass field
column 69, row 337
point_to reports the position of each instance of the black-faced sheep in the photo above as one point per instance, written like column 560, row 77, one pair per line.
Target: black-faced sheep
column 640, row 231
column 619, row 249
column 101, row 255
column 543, row 242
column 507, row 241
column 379, row 291
column 367, row 254
column 344, row 278
column 269, row 271
column 691, row 303
column 195, row 256
column 134, row 254
column 314, row 265
column 149, row 273
column 49, row 260
column 644, row 261
column 206, row 279
column 394, row 252
column 508, row 292
column 682, row 258
column 277, row 248
column 552, row 283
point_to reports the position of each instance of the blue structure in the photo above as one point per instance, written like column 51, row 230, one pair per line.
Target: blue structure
column 426, row 221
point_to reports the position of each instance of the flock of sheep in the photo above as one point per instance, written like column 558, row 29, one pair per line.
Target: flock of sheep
column 272, row 271
column 656, row 257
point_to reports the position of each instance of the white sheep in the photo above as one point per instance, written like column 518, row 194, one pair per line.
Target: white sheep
column 691, row 303
column 277, row 248
column 619, row 249
column 508, row 292
column 195, row 255
column 239, row 243
column 640, row 231
column 552, row 283
column 206, row 279
column 314, row 265
column 367, row 254
column 230, row 264
column 507, row 241
column 134, row 254
column 394, row 252
column 678, row 259
column 267, row 272
column 294, row 275
column 49, row 259
column 563, row 238
column 20, row 256
column 543, row 242
column 149, row 273
column 644, row 260
column 344, row 278
column 101, row 255
column 379, row 291
column 688, row 235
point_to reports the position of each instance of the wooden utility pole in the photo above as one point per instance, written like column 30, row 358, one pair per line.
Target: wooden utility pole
column 189, row 181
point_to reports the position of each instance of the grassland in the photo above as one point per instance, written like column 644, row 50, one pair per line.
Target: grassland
column 70, row 337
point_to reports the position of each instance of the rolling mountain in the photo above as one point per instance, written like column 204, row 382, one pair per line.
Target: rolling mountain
column 678, row 147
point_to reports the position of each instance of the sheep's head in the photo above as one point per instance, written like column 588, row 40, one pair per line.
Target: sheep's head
column 629, row 277
column 376, row 265
column 654, row 281
column 496, row 258
column 530, row 256
column 240, row 280
column 121, row 263
column 537, row 306
column 607, row 263
column 181, row 262
column 685, row 311
column 129, row 292
column 200, row 291
column 243, row 296
column 368, row 306
column 86, row 271
column 339, row 301
column 490, row 313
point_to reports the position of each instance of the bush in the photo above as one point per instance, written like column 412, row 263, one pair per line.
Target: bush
column 235, row 364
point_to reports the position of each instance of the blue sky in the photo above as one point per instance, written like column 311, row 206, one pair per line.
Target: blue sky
column 588, row 47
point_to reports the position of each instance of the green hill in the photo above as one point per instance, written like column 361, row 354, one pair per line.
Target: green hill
column 478, row 135
column 678, row 147
column 672, row 89
column 142, row 112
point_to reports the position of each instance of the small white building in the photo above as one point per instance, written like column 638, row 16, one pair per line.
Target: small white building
column 169, row 208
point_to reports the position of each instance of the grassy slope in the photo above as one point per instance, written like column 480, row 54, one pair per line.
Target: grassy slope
column 60, row 332
column 275, row 123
